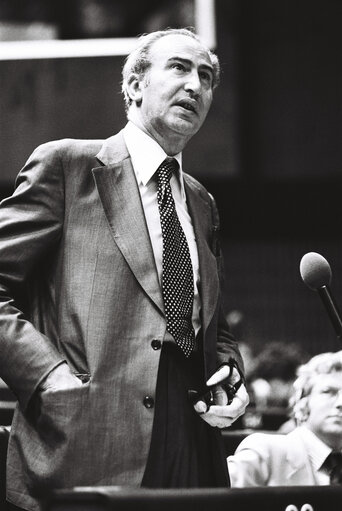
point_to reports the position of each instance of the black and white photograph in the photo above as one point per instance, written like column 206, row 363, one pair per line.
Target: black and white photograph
column 170, row 255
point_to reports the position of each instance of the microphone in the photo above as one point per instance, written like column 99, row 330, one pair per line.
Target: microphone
column 316, row 274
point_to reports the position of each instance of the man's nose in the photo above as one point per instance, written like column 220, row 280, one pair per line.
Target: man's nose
column 338, row 401
column 193, row 82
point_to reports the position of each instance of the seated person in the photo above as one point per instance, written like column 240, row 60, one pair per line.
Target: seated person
column 300, row 457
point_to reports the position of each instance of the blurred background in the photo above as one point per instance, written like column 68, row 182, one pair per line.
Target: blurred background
column 270, row 151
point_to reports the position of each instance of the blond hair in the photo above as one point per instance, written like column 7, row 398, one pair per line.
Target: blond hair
column 307, row 374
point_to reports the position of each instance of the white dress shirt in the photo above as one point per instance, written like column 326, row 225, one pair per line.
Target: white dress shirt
column 318, row 452
column 146, row 155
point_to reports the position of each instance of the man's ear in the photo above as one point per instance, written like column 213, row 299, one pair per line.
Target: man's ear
column 302, row 410
column 134, row 88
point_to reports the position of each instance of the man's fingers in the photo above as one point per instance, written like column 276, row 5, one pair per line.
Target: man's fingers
column 239, row 403
column 235, row 409
column 243, row 396
column 220, row 396
column 201, row 407
column 220, row 375
column 217, row 421
column 222, row 416
column 60, row 378
column 219, row 417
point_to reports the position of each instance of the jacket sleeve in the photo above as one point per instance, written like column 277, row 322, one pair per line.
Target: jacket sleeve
column 227, row 346
column 31, row 223
column 249, row 466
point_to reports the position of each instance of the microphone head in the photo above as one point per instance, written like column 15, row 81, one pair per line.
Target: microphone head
column 315, row 270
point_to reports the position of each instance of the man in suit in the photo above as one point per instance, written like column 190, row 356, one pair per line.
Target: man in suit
column 111, row 306
column 311, row 453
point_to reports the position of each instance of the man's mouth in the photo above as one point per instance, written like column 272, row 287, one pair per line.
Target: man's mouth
column 335, row 417
column 188, row 104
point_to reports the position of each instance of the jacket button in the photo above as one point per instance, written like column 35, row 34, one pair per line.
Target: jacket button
column 156, row 344
column 148, row 402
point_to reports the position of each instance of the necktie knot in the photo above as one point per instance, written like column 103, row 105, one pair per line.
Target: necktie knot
column 166, row 169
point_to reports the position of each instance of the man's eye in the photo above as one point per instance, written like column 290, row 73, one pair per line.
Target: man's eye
column 329, row 391
column 206, row 77
column 179, row 66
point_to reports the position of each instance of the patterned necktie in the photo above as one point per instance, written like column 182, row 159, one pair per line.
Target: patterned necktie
column 333, row 465
column 177, row 276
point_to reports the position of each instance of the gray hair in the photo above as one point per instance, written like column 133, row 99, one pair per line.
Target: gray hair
column 324, row 363
column 138, row 61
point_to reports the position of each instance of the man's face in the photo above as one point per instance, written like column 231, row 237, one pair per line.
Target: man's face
column 177, row 88
column 325, row 409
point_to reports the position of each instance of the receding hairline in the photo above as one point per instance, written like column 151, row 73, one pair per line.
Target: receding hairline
column 178, row 51
column 146, row 43
column 188, row 35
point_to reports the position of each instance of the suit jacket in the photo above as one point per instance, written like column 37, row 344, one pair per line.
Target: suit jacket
column 78, row 282
column 271, row 460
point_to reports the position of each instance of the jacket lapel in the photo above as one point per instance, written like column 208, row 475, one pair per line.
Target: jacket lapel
column 200, row 211
column 299, row 468
column 120, row 197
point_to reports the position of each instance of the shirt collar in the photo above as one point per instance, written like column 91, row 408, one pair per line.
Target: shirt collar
column 146, row 154
column 317, row 450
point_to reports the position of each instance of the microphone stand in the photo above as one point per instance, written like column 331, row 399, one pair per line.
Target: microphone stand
column 331, row 308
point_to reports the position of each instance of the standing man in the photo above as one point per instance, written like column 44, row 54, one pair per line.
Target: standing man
column 110, row 307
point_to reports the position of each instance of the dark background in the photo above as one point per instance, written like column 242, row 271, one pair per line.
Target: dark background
column 270, row 151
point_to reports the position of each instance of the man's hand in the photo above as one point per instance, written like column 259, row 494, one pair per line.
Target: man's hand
column 221, row 414
column 60, row 378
